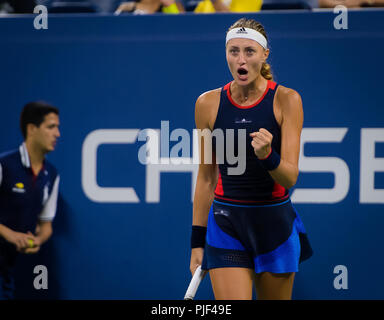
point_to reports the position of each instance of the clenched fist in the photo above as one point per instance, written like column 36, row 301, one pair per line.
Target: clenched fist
column 261, row 143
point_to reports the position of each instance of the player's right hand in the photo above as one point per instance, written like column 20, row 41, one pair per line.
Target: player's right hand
column 196, row 259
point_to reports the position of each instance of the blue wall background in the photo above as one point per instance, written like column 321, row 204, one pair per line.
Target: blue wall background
column 124, row 72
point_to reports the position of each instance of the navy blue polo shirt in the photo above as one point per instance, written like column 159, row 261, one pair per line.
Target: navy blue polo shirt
column 24, row 197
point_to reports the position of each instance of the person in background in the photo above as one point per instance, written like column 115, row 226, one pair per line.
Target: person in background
column 350, row 3
column 29, row 187
column 151, row 6
column 18, row 6
column 210, row 6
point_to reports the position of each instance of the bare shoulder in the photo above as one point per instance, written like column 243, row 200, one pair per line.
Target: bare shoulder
column 288, row 96
column 208, row 98
column 207, row 105
column 287, row 103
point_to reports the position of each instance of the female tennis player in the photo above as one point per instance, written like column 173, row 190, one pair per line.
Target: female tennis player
column 245, row 230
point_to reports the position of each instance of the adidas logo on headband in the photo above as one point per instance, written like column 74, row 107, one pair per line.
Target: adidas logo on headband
column 247, row 33
column 242, row 30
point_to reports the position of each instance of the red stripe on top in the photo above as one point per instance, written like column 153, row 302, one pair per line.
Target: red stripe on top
column 219, row 187
column 270, row 85
column 278, row 191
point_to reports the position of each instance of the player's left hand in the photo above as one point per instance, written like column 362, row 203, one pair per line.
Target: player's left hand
column 261, row 142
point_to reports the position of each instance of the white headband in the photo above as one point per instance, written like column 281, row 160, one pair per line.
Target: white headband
column 247, row 33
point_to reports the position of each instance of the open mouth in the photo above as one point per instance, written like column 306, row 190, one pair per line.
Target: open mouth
column 242, row 71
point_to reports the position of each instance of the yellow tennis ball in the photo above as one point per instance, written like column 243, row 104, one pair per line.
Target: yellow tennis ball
column 31, row 243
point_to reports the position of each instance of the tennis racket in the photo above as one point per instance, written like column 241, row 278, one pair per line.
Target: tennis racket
column 194, row 284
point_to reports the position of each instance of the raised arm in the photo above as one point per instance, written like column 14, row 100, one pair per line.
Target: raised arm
column 285, row 170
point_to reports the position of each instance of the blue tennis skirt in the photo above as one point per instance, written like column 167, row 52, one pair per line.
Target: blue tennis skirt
column 266, row 238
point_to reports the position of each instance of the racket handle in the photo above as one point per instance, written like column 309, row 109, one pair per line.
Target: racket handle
column 194, row 284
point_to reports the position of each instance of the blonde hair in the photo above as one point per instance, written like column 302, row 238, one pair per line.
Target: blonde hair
column 266, row 70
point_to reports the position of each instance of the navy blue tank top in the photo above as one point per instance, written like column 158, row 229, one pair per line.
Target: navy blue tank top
column 255, row 185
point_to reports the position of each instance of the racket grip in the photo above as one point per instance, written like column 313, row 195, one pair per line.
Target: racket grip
column 194, row 284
